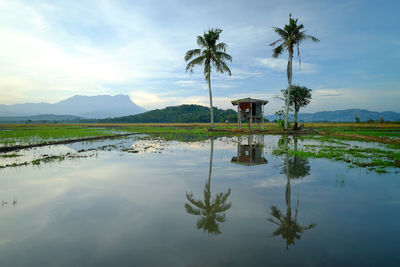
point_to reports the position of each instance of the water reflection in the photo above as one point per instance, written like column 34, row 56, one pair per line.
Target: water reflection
column 251, row 153
column 294, row 168
column 210, row 210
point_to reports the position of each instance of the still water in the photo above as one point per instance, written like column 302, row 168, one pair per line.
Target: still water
column 219, row 202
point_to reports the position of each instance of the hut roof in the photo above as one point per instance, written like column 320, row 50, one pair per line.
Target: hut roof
column 249, row 100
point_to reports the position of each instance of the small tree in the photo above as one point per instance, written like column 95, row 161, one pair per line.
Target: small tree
column 381, row 120
column 300, row 97
column 357, row 120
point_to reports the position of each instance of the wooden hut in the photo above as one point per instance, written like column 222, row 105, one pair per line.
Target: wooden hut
column 250, row 109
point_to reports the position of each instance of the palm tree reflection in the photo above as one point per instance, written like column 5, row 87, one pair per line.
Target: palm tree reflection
column 210, row 210
column 294, row 168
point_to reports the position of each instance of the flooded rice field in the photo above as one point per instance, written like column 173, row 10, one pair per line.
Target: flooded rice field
column 228, row 201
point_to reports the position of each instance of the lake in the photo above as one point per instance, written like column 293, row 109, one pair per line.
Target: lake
column 228, row 201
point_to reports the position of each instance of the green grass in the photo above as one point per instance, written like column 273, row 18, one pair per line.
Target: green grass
column 375, row 159
column 36, row 135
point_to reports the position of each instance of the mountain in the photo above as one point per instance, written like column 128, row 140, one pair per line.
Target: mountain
column 101, row 106
column 347, row 115
column 178, row 114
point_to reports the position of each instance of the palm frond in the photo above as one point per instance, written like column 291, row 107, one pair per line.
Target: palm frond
column 314, row 39
column 222, row 208
column 277, row 51
column 275, row 42
column 197, row 61
column 223, row 56
column 276, row 213
column 220, row 218
column 225, row 196
column 273, row 221
column 201, row 222
column 201, row 42
column 221, row 67
column 192, row 53
column 221, row 47
column 312, row 225
column 281, row 32
column 192, row 210
column 197, row 203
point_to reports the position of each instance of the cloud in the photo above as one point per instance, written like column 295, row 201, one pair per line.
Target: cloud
column 150, row 100
column 279, row 64
column 352, row 97
column 187, row 83
column 38, row 52
column 328, row 93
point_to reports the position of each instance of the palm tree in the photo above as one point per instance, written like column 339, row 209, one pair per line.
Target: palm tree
column 210, row 54
column 290, row 38
column 211, row 210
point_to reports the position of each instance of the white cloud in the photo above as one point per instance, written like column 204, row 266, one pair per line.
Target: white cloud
column 348, row 98
column 328, row 92
column 187, row 83
column 280, row 64
column 34, row 61
column 150, row 100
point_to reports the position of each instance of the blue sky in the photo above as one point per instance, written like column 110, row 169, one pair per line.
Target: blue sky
column 51, row 50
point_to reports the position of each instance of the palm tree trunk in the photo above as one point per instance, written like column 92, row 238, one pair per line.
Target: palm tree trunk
column 211, row 106
column 295, row 119
column 289, row 74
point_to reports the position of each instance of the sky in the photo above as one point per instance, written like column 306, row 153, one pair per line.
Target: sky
column 52, row 50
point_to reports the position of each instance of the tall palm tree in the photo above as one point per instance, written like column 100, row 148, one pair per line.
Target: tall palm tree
column 211, row 210
column 211, row 54
column 291, row 36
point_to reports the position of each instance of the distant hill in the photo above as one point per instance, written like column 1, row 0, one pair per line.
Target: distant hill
column 178, row 114
column 347, row 115
column 101, row 106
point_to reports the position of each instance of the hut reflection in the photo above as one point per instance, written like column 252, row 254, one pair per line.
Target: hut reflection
column 211, row 210
column 294, row 168
column 250, row 152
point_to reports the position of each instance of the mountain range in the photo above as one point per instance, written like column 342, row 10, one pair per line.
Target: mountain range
column 96, row 107
column 347, row 115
